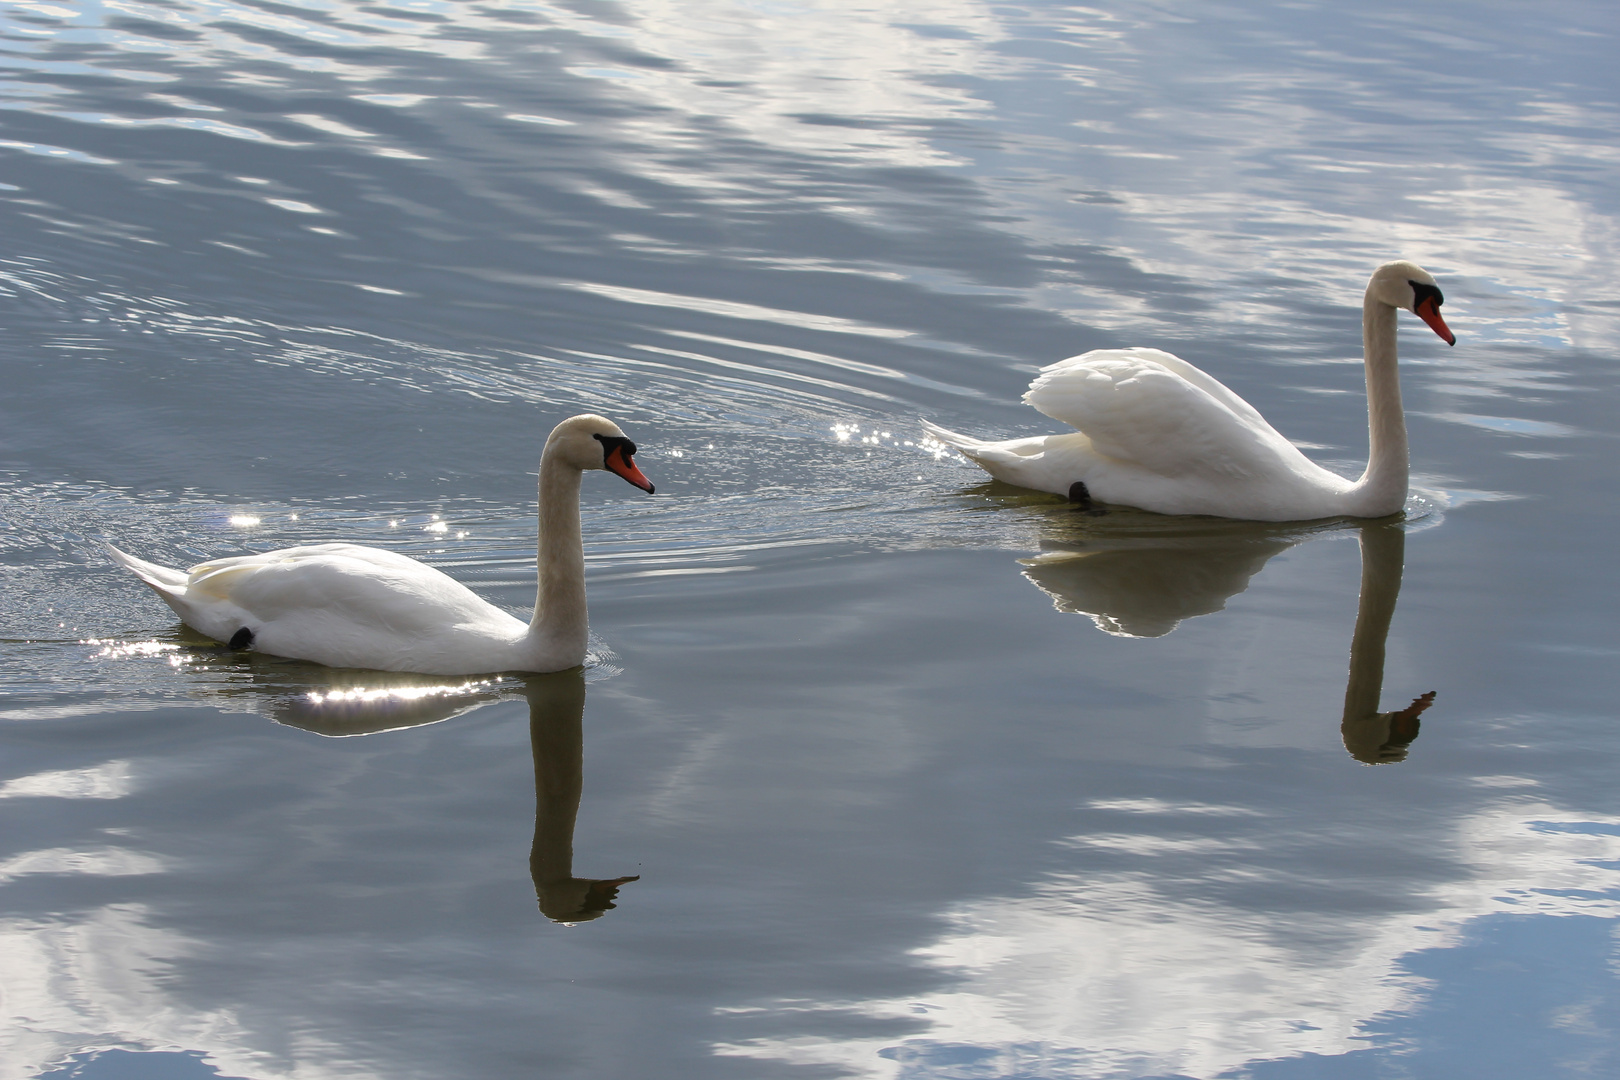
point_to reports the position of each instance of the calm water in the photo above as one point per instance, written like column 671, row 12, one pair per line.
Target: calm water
column 917, row 777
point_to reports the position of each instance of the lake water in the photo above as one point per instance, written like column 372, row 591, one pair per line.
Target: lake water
column 916, row 776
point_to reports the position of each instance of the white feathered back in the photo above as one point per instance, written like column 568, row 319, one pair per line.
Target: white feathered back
column 1154, row 409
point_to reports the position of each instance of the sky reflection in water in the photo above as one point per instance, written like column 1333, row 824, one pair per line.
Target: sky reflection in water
column 281, row 273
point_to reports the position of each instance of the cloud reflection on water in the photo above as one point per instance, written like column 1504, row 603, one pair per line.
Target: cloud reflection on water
column 1136, row 972
column 101, row 978
column 836, row 192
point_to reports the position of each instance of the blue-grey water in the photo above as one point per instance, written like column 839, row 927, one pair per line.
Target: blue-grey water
column 919, row 778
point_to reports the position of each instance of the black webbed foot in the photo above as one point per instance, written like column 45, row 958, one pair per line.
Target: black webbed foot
column 242, row 639
column 1080, row 495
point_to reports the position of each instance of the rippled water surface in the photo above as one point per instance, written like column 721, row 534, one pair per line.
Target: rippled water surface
column 877, row 770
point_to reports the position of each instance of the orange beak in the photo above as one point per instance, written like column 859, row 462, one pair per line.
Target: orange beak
column 622, row 464
column 1429, row 311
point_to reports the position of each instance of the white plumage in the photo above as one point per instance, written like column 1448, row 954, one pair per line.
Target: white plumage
column 1155, row 432
column 345, row 605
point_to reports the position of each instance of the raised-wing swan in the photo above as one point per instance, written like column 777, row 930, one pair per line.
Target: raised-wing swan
column 1157, row 433
column 350, row 606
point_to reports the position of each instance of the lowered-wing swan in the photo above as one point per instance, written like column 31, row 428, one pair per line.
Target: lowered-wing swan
column 344, row 605
column 1157, row 433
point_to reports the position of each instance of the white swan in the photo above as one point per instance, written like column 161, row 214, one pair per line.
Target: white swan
column 344, row 605
column 1159, row 434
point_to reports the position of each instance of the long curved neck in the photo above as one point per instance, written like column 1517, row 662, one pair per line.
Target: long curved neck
column 1382, row 488
column 559, row 606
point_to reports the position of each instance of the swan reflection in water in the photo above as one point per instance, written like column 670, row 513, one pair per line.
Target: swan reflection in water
column 1143, row 576
column 1373, row 737
column 339, row 703
column 556, row 735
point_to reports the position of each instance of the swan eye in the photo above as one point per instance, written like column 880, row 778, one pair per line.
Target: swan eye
column 1422, row 291
column 1426, row 301
column 611, row 443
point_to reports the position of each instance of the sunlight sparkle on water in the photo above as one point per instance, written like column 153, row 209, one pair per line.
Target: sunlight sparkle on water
column 371, row 695
column 844, row 432
column 122, row 649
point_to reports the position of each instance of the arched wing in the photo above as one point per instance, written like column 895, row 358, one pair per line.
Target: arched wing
column 1155, row 410
column 1176, row 365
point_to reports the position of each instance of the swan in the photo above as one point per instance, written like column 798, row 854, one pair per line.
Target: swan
column 344, row 605
column 1157, row 433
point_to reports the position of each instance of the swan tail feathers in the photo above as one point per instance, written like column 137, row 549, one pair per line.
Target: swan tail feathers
column 166, row 582
column 979, row 450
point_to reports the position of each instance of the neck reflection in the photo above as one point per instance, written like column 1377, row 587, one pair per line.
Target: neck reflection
column 1370, row 736
column 556, row 736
